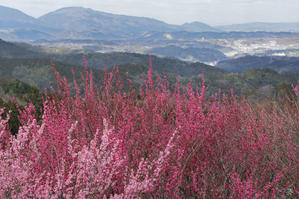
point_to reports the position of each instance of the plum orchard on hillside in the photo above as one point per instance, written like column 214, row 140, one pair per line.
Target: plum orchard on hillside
column 106, row 143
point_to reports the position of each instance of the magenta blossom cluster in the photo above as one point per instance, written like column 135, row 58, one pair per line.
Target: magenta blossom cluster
column 151, row 143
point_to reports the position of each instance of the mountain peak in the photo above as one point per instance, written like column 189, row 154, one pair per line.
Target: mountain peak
column 79, row 19
column 195, row 23
column 197, row 26
column 77, row 10
column 69, row 12
column 11, row 14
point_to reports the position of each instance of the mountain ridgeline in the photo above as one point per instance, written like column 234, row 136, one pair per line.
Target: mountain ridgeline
column 32, row 65
column 86, row 23
column 259, row 26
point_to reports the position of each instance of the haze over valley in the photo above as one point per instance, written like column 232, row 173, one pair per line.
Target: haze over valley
column 186, row 50
column 84, row 28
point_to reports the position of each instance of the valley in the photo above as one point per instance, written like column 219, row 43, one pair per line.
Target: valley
column 90, row 30
column 201, row 47
column 226, row 55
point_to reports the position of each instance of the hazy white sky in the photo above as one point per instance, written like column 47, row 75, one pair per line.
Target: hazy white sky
column 214, row 12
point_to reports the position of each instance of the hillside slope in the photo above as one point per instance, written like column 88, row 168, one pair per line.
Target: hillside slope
column 279, row 64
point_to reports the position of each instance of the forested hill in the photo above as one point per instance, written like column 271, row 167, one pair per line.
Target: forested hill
column 31, row 65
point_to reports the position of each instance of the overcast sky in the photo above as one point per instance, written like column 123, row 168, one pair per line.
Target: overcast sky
column 213, row 12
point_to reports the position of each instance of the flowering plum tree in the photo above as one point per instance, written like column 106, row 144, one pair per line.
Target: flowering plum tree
column 154, row 143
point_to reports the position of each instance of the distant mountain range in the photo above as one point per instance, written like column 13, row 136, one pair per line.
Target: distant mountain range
column 85, row 23
column 12, row 18
column 77, row 19
column 259, row 26
column 198, row 27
